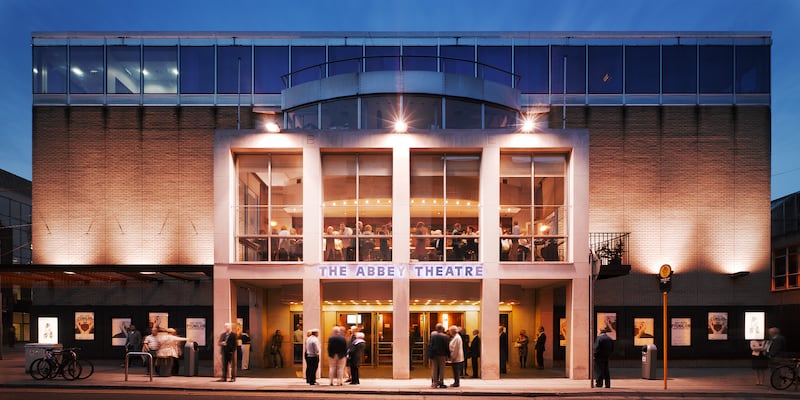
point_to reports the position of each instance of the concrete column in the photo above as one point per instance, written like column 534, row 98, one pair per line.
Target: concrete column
column 312, row 306
column 401, row 349
column 490, row 321
column 401, row 248
column 578, row 336
column 544, row 302
column 224, row 311
column 258, row 325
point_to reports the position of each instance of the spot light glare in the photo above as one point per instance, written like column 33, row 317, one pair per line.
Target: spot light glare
column 400, row 126
column 528, row 125
column 272, row 127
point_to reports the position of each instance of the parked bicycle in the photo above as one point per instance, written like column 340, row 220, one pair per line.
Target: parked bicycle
column 61, row 362
column 786, row 375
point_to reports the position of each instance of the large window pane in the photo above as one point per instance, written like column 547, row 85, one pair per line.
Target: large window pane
column 50, row 69
column 374, row 207
column 124, row 70
column 233, row 69
column 532, row 63
column 380, row 112
column 419, row 58
column 752, row 69
column 340, row 114
column 344, row 60
column 462, row 114
column 422, row 112
column 382, row 58
column 458, row 60
column 642, row 69
column 716, row 69
column 679, row 69
column 197, row 70
column 605, row 69
column 576, row 69
column 304, row 117
column 495, row 64
column 308, row 64
column 271, row 63
column 86, row 69
column 497, row 117
column 160, row 70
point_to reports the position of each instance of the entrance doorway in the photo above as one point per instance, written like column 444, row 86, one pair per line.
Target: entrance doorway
column 378, row 331
column 421, row 325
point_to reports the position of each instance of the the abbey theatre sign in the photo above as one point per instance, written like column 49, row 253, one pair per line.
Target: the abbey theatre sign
column 391, row 271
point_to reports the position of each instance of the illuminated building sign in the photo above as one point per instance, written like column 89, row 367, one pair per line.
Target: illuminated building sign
column 420, row 271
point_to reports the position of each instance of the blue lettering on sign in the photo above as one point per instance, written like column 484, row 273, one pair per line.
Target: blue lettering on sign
column 444, row 271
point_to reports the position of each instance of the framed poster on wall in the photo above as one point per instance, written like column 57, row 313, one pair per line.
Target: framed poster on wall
column 608, row 322
column 681, row 332
column 196, row 330
column 642, row 331
column 562, row 332
column 48, row 330
column 84, row 325
column 717, row 326
column 754, row 325
column 119, row 331
column 159, row 320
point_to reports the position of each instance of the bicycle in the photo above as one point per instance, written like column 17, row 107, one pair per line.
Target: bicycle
column 54, row 363
column 87, row 367
column 786, row 375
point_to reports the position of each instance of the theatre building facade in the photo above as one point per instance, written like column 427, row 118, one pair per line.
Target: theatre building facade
column 393, row 181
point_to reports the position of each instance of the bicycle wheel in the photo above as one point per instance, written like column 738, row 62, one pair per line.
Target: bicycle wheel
column 782, row 377
column 87, row 368
column 72, row 370
column 39, row 373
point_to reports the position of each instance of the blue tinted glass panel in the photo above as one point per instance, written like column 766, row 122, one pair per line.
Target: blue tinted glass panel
column 752, row 69
column 160, row 71
column 50, row 69
column 308, row 64
column 229, row 72
column 86, row 69
column 271, row 63
column 680, row 69
column 495, row 64
column 458, row 60
column 197, row 70
column 124, row 70
column 344, row 60
column 605, row 69
column 419, row 58
column 576, row 69
column 382, row 58
column 532, row 64
column 462, row 114
column 642, row 69
column 716, row 69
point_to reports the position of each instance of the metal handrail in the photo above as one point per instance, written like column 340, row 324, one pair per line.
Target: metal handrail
column 139, row 353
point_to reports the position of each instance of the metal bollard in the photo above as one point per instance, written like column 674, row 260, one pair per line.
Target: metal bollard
column 139, row 353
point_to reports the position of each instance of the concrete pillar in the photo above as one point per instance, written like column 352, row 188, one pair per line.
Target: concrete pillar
column 258, row 325
column 224, row 311
column 578, row 336
column 544, row 301
column 490, row 321
column 312, row 308
column 401, row 292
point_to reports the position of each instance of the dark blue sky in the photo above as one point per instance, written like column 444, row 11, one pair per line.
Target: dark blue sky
column 18, row 18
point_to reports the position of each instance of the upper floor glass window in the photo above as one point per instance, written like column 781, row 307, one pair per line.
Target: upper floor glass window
column 786, row 268
column 576, row 69
column 382, row 58
column 679, row 69
column 461, row 114
column 160, row 70
column 233, row 69
column 532, row 64
column 444, row 206
column 270, row 208
column 533, row 210
column 308, row 64
column 344, row 60
column 458, row 60
column 50, row 69
column 357, row 207
column 86, row 69
column 642, row 69
column 271, row 64
column 197, row 70
column 605, row 69
column 752, row 69
column 124, row 70
column 495, row 64
column 340, row 114
column 419, row 58
column 716, row 69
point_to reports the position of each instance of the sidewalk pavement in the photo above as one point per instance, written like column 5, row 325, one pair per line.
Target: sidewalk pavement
column 626, row 382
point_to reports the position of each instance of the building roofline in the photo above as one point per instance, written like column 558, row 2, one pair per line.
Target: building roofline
column 402, row 34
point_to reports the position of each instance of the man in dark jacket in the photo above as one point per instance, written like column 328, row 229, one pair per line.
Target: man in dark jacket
column 465, row 348
column 503, row 349
column 603, row 347
column 438, row 351
column 337, row 351
column 541, row 340
column 475, row 352
column 227, row 343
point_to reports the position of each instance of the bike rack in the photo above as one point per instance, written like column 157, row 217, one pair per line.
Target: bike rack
column 139, row 353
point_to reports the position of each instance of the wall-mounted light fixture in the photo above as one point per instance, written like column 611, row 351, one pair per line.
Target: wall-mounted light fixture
column 400, row 126
column 740, row 274
column 272, row 127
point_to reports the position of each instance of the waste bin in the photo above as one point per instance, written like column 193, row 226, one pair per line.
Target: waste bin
column 164, row 366
column 649, row 356
column 35, row 351
column 190, row 359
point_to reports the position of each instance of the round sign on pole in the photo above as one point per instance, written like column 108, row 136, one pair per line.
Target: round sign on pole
column 665, row 278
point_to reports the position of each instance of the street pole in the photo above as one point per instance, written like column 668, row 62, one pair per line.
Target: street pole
column 665, row 340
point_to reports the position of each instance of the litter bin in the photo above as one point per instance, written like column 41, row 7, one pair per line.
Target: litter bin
column 190, row 359
column 35, row 351
column 649, row 356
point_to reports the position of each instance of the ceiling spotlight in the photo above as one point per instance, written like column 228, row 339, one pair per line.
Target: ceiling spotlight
column 400, row 126
column 272, row 127
column 528, row 125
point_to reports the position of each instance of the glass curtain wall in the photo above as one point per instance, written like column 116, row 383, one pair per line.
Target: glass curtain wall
column 533, row 215
column 357, row 207
column 444, row 207
column 270, row 208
